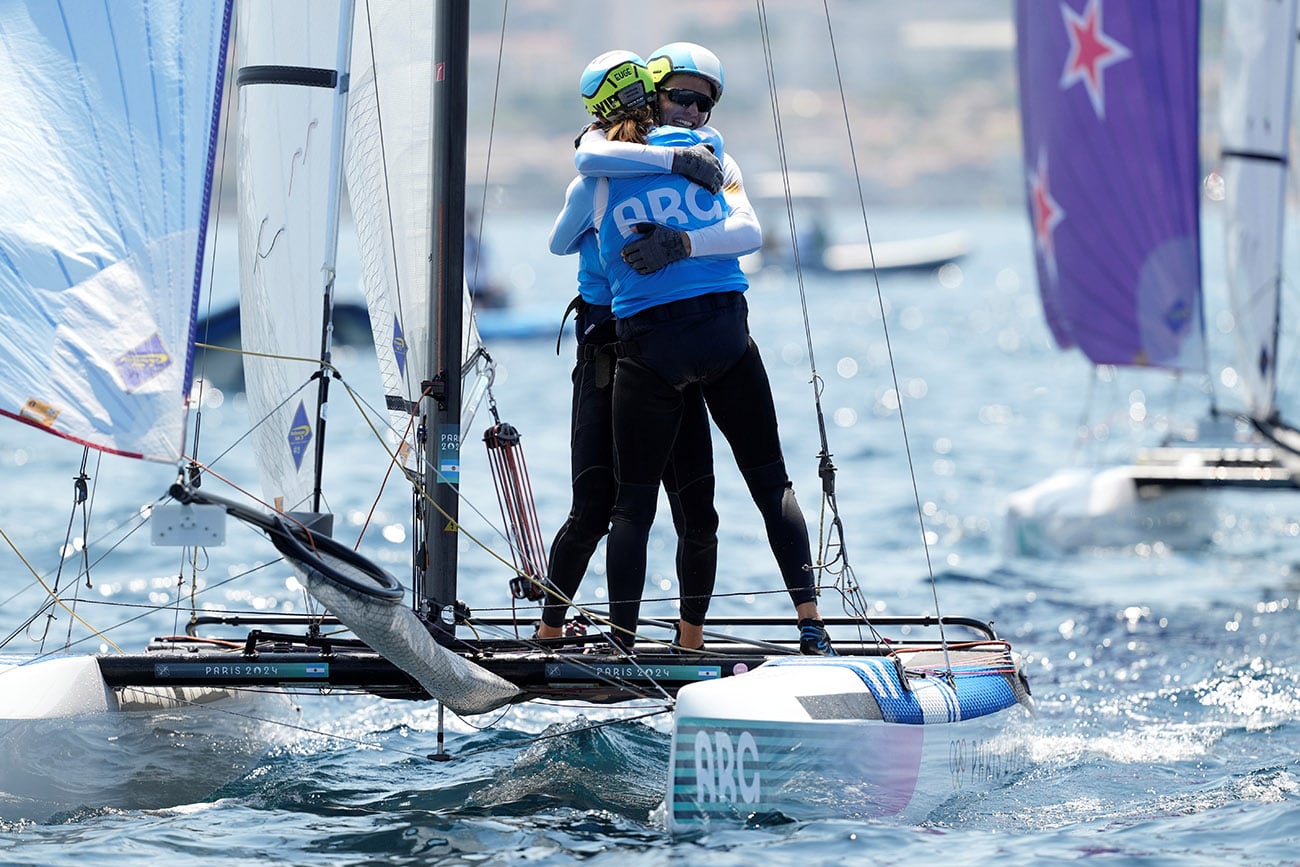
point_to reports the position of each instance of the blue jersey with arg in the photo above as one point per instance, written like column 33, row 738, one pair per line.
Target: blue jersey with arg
column 670, row 200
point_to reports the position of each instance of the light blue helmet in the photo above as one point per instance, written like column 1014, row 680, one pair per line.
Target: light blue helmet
column 614, row 81
column 687, row 57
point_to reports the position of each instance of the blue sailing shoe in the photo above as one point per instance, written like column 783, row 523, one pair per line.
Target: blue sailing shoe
column 813, row 640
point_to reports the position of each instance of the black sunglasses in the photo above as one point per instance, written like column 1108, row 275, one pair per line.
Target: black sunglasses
column 687, row 98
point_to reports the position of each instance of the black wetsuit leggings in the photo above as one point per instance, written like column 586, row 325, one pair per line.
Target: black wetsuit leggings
column 688, row 481
column 672, row 347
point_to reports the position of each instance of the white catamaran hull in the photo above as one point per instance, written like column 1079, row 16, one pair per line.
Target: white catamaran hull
column 1076, row 509
column 1142, row 304
column 838, row 738
column 68, row 741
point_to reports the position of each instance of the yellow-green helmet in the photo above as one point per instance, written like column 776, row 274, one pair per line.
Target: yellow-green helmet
column 615, row 81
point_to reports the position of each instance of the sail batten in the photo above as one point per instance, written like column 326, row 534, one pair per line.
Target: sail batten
column 307, row 76
column 1254, row 155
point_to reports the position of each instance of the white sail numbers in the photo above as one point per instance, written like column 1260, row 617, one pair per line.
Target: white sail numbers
column 722, row 768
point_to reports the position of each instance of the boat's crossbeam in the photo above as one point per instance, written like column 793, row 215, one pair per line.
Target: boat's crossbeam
column 1244, row 467
column 580, row 668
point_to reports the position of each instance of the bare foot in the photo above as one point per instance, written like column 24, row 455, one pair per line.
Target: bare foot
column 689, row 635
column 544, row 631
column 807, row 611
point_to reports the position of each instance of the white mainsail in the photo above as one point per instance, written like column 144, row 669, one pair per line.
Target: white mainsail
column 1258, row 47
column 290, row 155
column 389, row 153
column 389, row 162
column 102, row 230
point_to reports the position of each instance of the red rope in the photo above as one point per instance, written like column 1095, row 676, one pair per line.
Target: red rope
column 518, row 509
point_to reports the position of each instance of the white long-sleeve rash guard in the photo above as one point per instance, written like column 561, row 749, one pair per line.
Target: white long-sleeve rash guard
column 737, row 235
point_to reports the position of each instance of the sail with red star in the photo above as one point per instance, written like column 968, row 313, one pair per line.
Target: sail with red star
column 1110, row 119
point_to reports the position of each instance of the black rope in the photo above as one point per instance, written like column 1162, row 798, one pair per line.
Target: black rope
column 487, row 167
column 834, row 539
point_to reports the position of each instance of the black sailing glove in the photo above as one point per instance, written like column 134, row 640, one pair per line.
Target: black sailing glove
column 658, row 246
column 698, row 164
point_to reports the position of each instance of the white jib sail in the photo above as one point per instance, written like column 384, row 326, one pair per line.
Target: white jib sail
column 1258, row 47
column 288, row 225
column 109, row 120
column 389, row 153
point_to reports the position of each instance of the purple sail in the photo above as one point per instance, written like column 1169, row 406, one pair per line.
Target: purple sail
column 1108, row 96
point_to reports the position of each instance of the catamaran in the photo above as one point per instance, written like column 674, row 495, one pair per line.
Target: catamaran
column 371, row 99
column 1111, row 126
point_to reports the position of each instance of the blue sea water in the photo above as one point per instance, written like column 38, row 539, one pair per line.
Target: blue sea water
column 1166, row 680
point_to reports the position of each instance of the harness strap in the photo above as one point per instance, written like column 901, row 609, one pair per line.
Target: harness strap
column 575, row 307
column 605, row 356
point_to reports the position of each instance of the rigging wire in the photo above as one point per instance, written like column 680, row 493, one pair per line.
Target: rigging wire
column 513, row 487
column 368, row 413
column 83, row 500
column 211, row 249
column 884, row 324
column 529, row 741
column 505, row 452
column 851, row 589
column 81, row 494
column 146, row 609
column 53, row 596
column 518, row 508
column 492, row 124
column 1083, row 427
column 201, row 382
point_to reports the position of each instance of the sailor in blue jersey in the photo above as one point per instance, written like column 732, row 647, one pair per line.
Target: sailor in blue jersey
column 688, row 482
column 737, row 235
column 627, row 208
column 681, row 323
